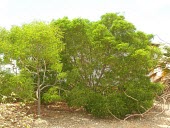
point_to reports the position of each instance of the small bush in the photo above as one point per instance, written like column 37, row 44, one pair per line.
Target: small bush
column 117, row 105
column 17, row 87
column 133, row 100
column 93, row 102
column 78, row 96
column 97, row 105
column 51, row 95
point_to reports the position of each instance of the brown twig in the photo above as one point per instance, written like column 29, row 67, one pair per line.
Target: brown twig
column 113, row 115
column 130, row 96
column 138, row 115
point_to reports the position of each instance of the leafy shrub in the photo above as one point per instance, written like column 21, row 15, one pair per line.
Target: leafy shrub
column 22, row 87
column 17, row 87
column 51, row 95
column 91, row 101
column 78, row 96
column 136, row 99
column 97, row 105
column 117, row 105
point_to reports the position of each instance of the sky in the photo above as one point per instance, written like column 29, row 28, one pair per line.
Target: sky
column 150, row 16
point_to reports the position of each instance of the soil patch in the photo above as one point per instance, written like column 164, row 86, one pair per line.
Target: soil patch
column 61, row 116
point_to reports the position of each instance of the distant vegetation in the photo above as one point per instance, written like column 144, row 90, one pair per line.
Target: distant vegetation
column 101, row 66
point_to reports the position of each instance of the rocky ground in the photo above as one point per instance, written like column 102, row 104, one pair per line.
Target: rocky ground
column 60, row 116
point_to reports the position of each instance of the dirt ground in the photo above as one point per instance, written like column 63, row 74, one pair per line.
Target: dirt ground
column 60, row 116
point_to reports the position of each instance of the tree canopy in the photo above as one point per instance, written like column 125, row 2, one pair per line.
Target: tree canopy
column 106, row 52
column 104, row 63
column 37, row 47
column 110, row 58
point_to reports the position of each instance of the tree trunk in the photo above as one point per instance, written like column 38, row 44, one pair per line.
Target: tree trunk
column 39, row 94
column 39, row 101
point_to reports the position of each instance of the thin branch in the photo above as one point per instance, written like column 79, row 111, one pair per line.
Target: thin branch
column 101, row 74
column 138, row 115
column 160, row 112
column 30, row 71
column 162, row 39
column 113, row 115
column 162, row 106
column 44, row 74
column 49, row 85
column 130, row 96
column 46, row 87
column 143, row 108
column 26, row 67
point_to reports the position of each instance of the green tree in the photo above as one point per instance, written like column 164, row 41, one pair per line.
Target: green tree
column 37, row 47
column 109, row 57
column 13, row 87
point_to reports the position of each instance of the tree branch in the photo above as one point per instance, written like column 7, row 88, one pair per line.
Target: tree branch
column 113, row 115
column 44, row 74
column 141, row 115
column 101, row 74
column 30, row 71
column 130, row 96
column 26, row 67
column 49, row 85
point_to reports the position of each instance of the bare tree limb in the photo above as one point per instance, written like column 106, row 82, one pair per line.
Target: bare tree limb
column 49, row 85
column 30, row 71
column 130, row 96
column 138, row 115
column 101, row 74
column 26, row 67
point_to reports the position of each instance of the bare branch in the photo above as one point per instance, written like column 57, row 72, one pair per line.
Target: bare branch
column 101, row 74
column 140, row 115
column 46, row 86
column 163, row 106
column 26, row 67
column 49, row 85
column 30, row 71
column 129, row 96
column 113, row 115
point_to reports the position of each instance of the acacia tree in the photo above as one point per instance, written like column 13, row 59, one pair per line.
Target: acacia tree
column 37, row 47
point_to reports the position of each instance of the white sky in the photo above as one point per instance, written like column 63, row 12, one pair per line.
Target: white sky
column 150, row 16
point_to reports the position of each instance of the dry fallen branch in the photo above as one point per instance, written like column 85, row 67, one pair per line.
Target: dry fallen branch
column 138, row 115
column 163, row 97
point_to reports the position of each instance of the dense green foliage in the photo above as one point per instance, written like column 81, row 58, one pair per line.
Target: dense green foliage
column 16, row 88
column 100, row 65
column 133, row 100
column 52, row 95
column 36, row 47
column 112, row 59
